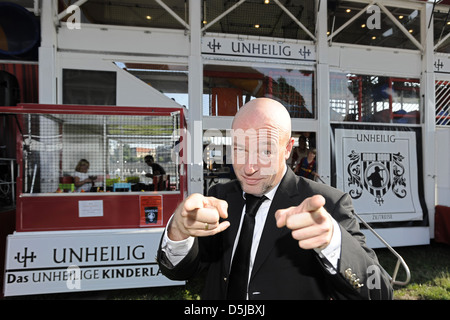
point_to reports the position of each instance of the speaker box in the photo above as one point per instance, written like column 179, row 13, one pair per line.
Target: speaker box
column 9, row 89
column 19, row 32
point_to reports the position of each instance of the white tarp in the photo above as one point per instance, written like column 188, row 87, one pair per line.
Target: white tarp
column 379, row 169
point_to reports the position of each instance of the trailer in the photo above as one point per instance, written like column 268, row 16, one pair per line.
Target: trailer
column 105, row 236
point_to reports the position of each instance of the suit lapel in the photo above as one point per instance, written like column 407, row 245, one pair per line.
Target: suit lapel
column 235, row 205
column 285, row 197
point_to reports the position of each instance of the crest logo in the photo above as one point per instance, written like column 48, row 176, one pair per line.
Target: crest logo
column 23, row 258
column 378, row 173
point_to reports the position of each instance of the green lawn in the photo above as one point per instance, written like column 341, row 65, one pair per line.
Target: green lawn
column 430, row 271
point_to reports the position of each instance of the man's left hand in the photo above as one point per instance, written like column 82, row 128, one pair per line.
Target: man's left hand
column 310, row 223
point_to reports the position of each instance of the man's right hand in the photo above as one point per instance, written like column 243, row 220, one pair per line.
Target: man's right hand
column 198, row 216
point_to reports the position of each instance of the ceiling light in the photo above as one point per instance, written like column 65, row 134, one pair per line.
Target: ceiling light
column 205, row 22
column 257, row 26
column 266, row 1
column 411, row 30
column 400, row 17
column 373, row 38
column 363, row 25
column 448, row 23
column 148, row 17
column 348, row 10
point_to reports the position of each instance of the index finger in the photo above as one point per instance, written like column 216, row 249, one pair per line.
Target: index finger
column 313, row 203
column 198, row 201
column 220, row 205
column 194, row 201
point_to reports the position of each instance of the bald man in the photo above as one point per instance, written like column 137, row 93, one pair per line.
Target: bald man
column 306, row 243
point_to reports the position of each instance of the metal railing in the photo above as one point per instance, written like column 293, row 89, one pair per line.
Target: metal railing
column 395, row 253
column 400, row 260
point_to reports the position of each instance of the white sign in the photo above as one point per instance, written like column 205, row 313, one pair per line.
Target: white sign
column 51, row 262
column 378, row 169
column 442, row 64
column 90, row 208
column 258, row 49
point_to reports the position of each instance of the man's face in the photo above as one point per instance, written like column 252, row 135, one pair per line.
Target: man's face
column 259, row 158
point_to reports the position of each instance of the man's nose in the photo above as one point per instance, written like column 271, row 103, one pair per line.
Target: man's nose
column 251, row 165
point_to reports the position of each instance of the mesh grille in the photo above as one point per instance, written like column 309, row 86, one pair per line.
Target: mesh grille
column 442, row 103
column 113, row 145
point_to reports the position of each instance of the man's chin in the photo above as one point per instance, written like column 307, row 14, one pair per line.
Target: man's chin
column 256, row 190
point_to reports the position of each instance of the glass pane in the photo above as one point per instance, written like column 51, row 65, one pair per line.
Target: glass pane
column 228, row 88
column 218, row 161
column 137, row 13
column 367, row 98
column 374, row 28
column 261, row 18
column 172, row 80
column 89, row 87
column 442, row 29
column 94, row 153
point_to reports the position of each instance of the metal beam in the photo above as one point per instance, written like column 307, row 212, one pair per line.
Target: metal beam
column 400, row 26
column 64, row 13
column 295, row 20
column 173, row 14
column 441, row 42
column 356, row 16
column 220, row 16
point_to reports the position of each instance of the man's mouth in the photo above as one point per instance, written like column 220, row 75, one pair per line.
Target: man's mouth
column 251, row 181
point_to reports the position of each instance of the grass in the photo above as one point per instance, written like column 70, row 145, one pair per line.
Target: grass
column 430, row 271
column 429, row 266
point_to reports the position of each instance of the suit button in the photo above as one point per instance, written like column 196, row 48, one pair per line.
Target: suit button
column 348, row 273
column 352, row 278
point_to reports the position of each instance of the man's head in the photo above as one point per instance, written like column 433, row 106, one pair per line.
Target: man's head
column 261, row 144
column 149, row 160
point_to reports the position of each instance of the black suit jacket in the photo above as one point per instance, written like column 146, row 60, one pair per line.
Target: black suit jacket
column 282, row 270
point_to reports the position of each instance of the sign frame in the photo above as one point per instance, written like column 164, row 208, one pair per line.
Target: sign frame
column 76, row 261
column 353, row 162
column 252, row 48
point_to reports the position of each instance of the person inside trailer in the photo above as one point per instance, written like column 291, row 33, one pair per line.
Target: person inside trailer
column 82, row 180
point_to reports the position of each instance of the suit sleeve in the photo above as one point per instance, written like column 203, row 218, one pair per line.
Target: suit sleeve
column 360, row 275
column 192, row 263
column 185, row 269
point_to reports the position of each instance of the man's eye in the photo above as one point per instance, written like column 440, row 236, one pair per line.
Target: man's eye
column 239, row 152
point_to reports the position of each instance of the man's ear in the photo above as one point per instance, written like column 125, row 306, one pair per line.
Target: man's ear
column 289, row 147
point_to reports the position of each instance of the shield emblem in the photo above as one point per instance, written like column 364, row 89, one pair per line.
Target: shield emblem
column 377, row 173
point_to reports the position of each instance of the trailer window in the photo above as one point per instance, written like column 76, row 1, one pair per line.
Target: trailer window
column 228, row 88
column 109, row 153
column 371, row 98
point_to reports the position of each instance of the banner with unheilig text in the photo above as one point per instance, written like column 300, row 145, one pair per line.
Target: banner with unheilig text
column 52, row 262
